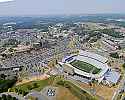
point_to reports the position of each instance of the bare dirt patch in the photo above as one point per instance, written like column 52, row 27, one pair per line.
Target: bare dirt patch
column 101, row 91
column 65, row 94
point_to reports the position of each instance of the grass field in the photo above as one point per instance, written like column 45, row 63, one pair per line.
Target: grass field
column 76, row 91
column 86, row 67
column 67, row 90
column 34, row 85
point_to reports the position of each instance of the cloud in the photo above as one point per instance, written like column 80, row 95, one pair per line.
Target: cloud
column 6, row 0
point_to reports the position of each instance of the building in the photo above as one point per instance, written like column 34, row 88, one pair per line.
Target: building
column 90, row 66
column 110, row 44
column 122, row 44
column 68, row 69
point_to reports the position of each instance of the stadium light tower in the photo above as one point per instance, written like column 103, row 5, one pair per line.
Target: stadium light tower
column 5, row 0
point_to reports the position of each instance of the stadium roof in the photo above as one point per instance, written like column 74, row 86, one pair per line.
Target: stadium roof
column 94, row 56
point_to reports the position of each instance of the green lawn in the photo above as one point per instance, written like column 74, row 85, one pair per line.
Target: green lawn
column 34, row 85
column 86, row 67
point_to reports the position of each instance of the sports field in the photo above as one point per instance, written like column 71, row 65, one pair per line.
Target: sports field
column 86, row 67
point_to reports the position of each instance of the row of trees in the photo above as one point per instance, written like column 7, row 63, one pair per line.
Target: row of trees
column 19, row 91
column 114, row 55
column 7, row 97
column 22, row 91
column 6, row 84
column 112, row 32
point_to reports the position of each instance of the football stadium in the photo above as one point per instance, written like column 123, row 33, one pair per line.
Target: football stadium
column 88, row 65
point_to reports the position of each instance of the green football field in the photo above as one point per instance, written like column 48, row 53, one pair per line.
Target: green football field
column 86, row 67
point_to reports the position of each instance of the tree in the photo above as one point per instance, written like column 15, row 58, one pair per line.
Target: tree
column 3, row 76
column 24, row 93
column 4, row 55
column 114, row 55
column 20, row 91
column 29, row 87
column 14, row 98
column 112, row 32
column 123, row 65
column 35, row 85
column 1, row 90
column 11, row 50
column 16, row 90
column 4, row 97
column 9, row 97
column 61, row 82
column 56, row 61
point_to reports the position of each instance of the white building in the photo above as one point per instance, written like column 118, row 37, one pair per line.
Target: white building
column 96, row 60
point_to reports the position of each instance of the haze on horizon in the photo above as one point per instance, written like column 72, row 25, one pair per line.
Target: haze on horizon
column 5, row 0
column 45, row 7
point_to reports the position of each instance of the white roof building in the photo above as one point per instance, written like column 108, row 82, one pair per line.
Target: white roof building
column 98, row 61
column 93, row 56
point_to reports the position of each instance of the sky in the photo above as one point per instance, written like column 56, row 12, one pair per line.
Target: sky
column 46, row 7
column 5, row 0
